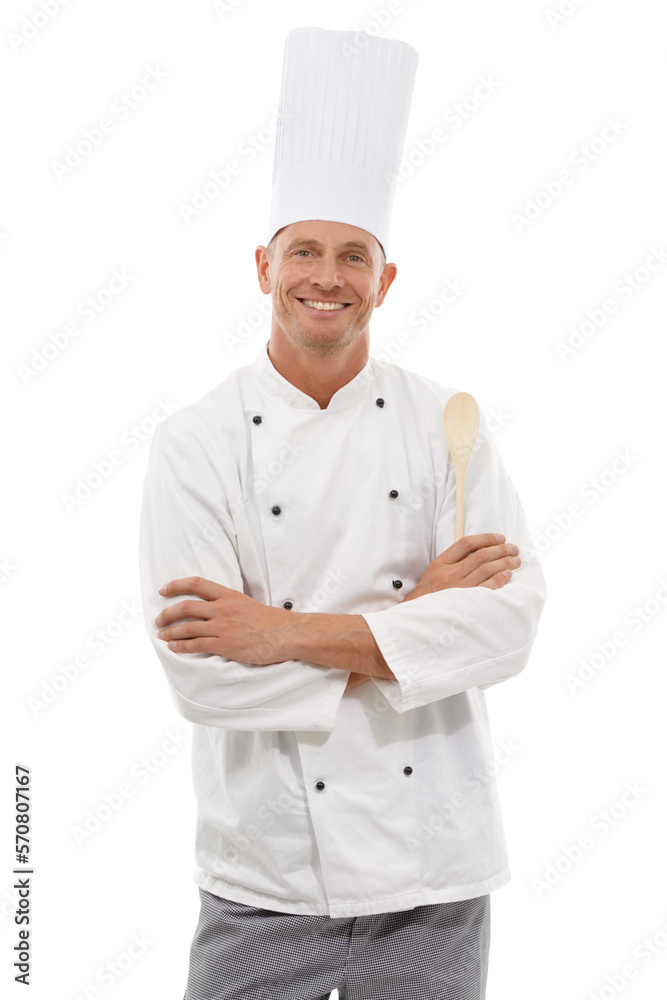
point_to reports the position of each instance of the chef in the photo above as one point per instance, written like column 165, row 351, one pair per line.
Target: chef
column 315, row 619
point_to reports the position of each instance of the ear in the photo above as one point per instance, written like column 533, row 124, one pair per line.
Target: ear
column 262, row 262
column 386, row 279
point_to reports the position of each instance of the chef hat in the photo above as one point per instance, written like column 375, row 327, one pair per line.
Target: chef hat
column 344, row 106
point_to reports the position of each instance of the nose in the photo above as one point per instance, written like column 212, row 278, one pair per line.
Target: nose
column 325, row 274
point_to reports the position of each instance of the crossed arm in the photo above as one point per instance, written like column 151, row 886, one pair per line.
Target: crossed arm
column 229, row 623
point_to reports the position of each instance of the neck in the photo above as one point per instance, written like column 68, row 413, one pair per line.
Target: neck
column 320, row 376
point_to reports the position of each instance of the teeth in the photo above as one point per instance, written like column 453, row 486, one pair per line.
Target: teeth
column 327, row 306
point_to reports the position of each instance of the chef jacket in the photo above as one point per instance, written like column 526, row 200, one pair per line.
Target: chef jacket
column 308, row 801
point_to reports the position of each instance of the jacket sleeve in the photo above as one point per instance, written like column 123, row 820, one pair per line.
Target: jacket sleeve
column 186, row 530
column 443, row 643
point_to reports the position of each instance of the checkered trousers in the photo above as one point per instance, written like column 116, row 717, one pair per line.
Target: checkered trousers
column 434, row 952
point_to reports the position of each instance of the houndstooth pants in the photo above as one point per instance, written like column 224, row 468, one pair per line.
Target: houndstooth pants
column 434, row 952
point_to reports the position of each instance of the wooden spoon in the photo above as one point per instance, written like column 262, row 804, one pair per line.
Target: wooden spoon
column 461, row 418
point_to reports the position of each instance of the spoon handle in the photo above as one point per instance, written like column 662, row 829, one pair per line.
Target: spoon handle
column 461, row 420
column 460, row 482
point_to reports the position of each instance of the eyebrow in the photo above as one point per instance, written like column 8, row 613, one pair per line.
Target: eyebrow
column 349, row 245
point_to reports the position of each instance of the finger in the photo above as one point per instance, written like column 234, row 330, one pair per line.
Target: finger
column 207, row 589
column 188, row 630
column 201, row 644
column 498, row 581
column 184, row 609
column 506, row 553
column 469, row 543
column 490, row 569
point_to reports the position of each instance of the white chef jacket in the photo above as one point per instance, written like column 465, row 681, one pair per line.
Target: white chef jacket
column 308, row 801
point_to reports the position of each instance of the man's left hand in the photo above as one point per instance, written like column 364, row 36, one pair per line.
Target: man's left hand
column 226, row 622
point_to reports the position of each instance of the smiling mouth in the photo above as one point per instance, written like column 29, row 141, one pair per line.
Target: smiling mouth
column 314, row 306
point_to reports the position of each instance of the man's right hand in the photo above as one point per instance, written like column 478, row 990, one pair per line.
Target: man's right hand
column 473, row 561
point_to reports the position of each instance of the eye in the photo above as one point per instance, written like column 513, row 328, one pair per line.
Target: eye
column 303, row 251
column 355, row 255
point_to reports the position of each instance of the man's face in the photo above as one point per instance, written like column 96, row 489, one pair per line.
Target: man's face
column 330, row 263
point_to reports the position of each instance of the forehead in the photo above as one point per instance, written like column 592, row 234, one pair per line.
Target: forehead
column 327, row 234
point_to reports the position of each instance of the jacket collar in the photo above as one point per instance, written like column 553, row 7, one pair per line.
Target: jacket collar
column 279, row 388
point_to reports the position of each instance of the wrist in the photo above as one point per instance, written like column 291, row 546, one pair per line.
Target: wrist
column 286, row 633
column 419, row 591
column 342, row 641
column 320, row 638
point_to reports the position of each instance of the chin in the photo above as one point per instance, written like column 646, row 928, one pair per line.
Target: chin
column 323, row 341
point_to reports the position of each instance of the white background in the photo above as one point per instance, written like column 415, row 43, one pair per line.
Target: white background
column 562, row 927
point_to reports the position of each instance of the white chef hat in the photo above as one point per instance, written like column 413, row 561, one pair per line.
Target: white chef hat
column 343, row 113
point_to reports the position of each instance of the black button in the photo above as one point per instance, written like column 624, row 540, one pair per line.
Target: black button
column 393, row 494
column 397, row 584
column 256, row 420
column 288, row 605
column 275, row 510
column 407, row 770
column 319, row 786
column 379, row 402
